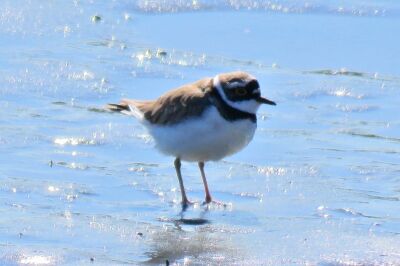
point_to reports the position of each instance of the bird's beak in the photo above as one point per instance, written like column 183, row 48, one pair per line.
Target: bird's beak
column 265, row 100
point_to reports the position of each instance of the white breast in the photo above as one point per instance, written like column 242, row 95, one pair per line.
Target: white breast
column 206, row 138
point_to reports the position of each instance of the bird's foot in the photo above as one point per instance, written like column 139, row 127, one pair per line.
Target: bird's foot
column 186, row 203
column 215, row 202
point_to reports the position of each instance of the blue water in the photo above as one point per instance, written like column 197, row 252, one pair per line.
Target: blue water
column 318, row 185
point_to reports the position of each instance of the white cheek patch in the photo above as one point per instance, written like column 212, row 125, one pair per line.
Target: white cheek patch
column 250, row 106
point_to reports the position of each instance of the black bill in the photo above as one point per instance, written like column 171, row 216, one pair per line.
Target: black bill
column 265, row 100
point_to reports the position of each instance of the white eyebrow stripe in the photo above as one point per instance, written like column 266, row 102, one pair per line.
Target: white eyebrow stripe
column 256, row 91
column 235, row 84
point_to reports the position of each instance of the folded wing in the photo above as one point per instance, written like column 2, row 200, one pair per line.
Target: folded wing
column 183, row 103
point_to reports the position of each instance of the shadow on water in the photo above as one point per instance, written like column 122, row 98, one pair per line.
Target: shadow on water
column 192, row 220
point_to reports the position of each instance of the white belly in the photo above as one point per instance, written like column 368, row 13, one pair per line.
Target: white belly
column 207, row 138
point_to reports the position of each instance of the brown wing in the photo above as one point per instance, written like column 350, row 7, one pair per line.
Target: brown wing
column 190, row 100
column 180, row 104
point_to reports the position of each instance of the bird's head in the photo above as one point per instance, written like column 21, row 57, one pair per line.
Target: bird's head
column 240, row 90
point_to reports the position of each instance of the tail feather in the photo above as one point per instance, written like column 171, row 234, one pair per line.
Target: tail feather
column 128, row 107
column 117, row 107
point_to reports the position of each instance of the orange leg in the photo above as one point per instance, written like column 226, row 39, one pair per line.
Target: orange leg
column 203, row 176
column 177, row 164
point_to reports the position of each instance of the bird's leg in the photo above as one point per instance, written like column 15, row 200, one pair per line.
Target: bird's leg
column 208, row 195
column 177, row 164
column 203, row 176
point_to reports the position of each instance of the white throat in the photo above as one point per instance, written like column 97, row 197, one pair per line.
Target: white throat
column 250, row 106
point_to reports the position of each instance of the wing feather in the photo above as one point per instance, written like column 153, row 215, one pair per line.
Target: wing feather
column 190, row 100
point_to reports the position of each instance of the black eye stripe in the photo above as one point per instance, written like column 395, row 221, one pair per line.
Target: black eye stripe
column 241, row 92
column 252, row 85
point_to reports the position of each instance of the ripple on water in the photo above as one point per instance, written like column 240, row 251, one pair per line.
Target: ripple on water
column 294, row 7
column 36, row 260
column 47, row 188
column 347, row 73
column 368, row 135
column 345, row 92
column 353, row 108
column 71, row 165
column 28, row 259
column 149, row 61
column 185, row 59
column 74, row 141
column 341, row 92
column 270, row 170
column 281, row 171
column 377, row 171
column 339, row 213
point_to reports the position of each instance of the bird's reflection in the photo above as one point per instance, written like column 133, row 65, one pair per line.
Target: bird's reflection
column 187, row 236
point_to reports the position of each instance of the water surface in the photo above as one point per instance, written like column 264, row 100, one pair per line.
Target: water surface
column 319, row 184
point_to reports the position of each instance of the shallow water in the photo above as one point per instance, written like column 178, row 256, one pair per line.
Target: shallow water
column 319, row 184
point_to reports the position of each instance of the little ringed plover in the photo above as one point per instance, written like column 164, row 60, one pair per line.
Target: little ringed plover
column 206, row 120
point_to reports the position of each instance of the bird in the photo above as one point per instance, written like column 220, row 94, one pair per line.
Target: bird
column 203, row 121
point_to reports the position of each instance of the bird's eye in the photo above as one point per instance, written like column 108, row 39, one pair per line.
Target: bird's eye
column 240, row 91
